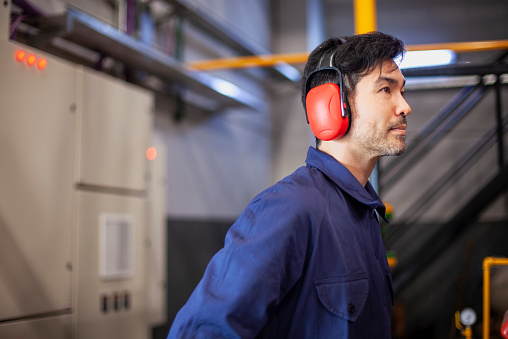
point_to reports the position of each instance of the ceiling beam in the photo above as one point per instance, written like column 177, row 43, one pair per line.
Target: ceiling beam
column 219, row 30
column 267, row 60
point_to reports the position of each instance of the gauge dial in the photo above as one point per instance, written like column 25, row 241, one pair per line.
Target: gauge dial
column 468, row 316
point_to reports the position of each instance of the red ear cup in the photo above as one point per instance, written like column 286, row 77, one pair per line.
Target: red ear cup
column 324, row 112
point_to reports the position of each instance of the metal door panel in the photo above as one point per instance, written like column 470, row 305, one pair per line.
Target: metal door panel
column 115, row 126
column 93, row 289
column 36, row 152
column 53, row 327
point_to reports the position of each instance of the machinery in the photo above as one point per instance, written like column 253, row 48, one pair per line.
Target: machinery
column 78, row 223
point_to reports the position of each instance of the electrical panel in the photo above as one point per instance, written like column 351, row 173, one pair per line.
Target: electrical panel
column 36, row 185
column 115, row 126
column 113, row 304
column 74, row 206
column 54, row 327
column 113, row 132
column 156, row 255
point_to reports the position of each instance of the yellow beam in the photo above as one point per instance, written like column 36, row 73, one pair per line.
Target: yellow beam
column 487, row 263
column 459, row 47
column 365, row 16
column 300, row 58
column 250, row 61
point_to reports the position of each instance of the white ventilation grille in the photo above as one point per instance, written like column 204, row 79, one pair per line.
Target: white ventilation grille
column 116, row 239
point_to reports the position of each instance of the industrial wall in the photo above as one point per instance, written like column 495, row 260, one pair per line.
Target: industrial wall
column 218, row 161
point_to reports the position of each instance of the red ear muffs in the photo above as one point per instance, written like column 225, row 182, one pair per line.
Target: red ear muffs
column 324, row 112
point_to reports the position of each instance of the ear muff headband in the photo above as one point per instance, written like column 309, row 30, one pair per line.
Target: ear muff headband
column 326, row 110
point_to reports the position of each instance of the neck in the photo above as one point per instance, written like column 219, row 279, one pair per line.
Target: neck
column 359, row 164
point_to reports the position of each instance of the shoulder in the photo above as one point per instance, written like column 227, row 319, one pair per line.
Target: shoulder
column 305, row 185
column 303, row 192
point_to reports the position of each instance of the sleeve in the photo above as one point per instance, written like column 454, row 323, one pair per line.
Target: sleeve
column 262, row 259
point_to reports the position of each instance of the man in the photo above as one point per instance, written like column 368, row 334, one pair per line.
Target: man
column 305, row 259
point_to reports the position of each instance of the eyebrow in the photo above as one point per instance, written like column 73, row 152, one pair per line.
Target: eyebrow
column 389, row 80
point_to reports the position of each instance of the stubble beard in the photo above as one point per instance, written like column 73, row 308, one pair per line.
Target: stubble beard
column 380, row 142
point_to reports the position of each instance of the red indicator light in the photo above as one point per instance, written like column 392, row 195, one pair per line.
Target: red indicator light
column 42, row 63
column 151, row 153
column 30, row 60
column 20, row 55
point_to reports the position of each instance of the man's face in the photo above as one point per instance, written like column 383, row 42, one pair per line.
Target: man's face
column 379, row 112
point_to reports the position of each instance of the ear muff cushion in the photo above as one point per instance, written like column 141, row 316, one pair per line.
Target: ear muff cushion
column 324, row 112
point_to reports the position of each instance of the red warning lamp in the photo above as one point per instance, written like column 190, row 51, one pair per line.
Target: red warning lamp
column 151, row 153
column 42, row 63
column 30, row 60
column 20, row 55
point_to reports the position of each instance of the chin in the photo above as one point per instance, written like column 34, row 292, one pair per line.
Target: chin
column 394, row 149
column 400, row 152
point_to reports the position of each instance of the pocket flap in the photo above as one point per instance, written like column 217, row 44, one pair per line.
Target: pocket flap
column 344, row 296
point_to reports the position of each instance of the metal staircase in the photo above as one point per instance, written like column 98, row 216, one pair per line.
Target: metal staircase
column 428, row 247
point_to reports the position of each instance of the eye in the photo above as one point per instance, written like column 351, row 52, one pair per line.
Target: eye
column 386, row 89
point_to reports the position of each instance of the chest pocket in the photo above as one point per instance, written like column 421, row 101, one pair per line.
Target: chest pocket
column 344, row 296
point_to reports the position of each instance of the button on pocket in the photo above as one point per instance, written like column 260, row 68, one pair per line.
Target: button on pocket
column 344, row 296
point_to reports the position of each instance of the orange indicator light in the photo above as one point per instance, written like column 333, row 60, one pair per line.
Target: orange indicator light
column 20, row 55
column 42, row 63
column 30, row 60
column 151, row 153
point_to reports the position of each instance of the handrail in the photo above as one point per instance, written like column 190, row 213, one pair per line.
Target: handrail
column 487, row 263
column 468, row 159
column 412, row 266
column 413, row 155
column 299, row 58
column 433, row 123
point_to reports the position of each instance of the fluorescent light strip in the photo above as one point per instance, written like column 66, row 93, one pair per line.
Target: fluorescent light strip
column 413, row 59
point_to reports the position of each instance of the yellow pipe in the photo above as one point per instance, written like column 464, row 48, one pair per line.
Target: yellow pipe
column 468, row 333
column 470, row 46
column 365, row 16
column 250, row 61
column 300, row 58
column 487, row 263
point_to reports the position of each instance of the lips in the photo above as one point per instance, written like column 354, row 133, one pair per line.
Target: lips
column 399, row 130
column 400, row 127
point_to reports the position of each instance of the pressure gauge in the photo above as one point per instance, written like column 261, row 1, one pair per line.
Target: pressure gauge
column 468, row 316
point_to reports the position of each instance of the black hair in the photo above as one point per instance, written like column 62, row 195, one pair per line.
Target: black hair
column 355, row 56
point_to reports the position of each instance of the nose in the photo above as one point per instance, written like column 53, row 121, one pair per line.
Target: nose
column 403, row 107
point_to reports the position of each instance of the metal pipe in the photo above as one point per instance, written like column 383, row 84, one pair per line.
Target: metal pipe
column 250, row 61
column 365, row 16
column 499, row 120
column 300, row 58
column 487, row 263
column 315, row 24
column 226, row 34
column 467, row 46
